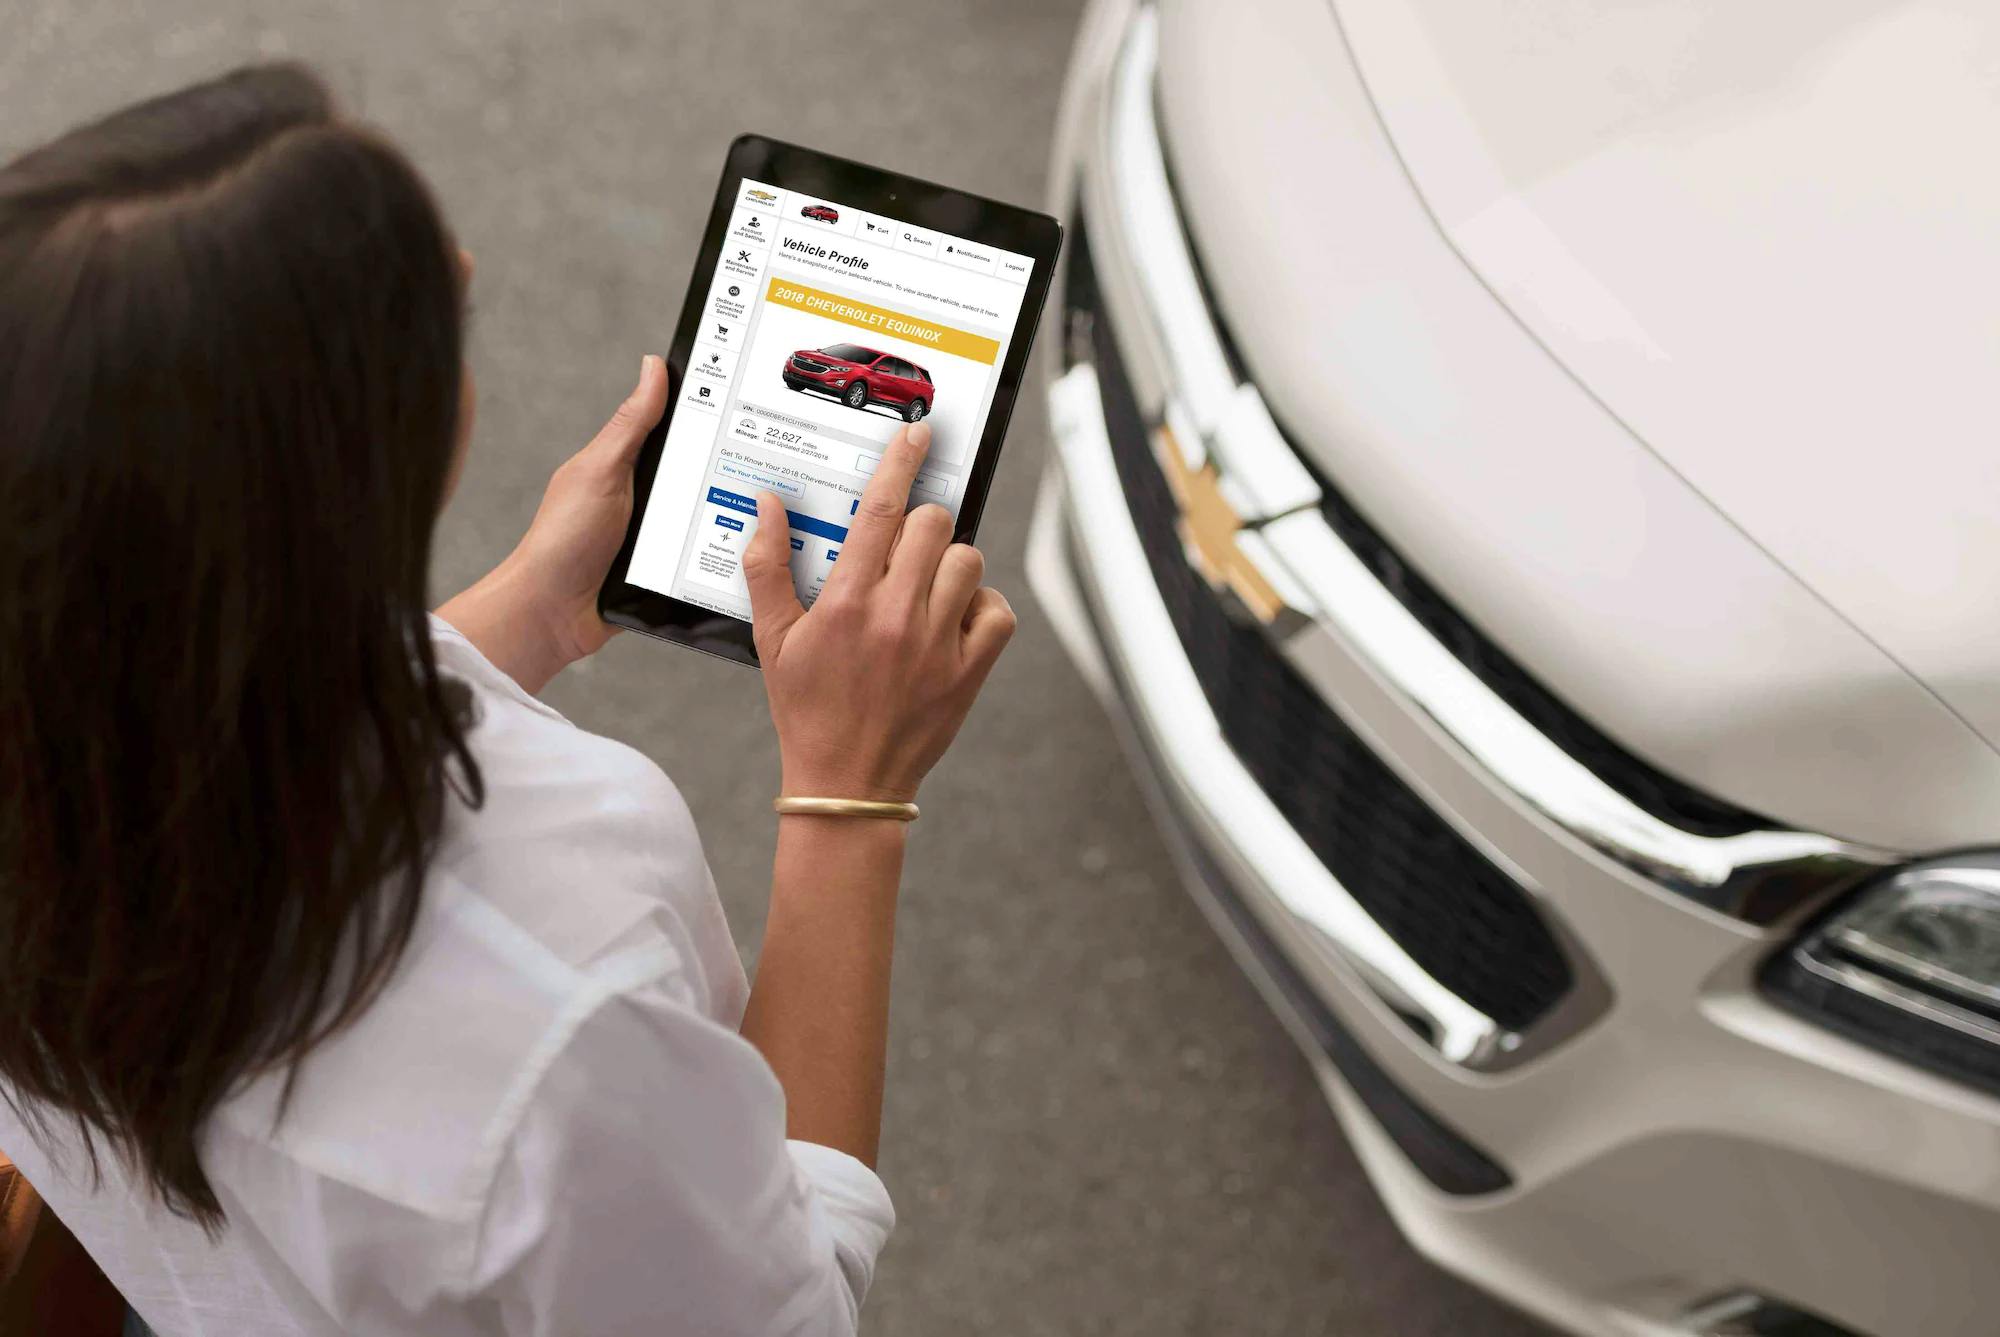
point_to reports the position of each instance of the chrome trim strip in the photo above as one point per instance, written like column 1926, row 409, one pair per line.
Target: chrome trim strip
column 1167, row 701
column 1759, row 876
column 1726, row 873
column 1253, row 452
column 1150, row 219
column 1228, row 418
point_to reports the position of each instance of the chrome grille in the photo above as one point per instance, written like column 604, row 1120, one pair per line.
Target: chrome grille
column 1457, row 915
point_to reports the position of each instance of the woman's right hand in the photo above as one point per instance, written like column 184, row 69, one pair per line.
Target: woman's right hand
column 869, row 688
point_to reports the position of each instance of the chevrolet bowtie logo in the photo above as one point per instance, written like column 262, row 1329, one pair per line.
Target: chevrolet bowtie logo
column 1208, row 528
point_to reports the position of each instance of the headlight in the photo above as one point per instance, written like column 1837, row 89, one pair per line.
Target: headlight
column 1912, row 965
column 1937, row 928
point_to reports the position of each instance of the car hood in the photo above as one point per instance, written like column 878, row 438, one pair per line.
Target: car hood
column 1764, row 237
column 1652, row 347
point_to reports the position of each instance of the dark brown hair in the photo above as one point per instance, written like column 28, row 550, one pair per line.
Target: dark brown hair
column 230, row 368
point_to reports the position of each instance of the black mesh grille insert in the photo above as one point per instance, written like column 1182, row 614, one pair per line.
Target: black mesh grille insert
column 1466, row 923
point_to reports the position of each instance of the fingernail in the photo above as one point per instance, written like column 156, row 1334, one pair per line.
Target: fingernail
column 920, row 434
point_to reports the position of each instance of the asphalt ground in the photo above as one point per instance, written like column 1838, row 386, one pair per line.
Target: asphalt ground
column 1093, row 1125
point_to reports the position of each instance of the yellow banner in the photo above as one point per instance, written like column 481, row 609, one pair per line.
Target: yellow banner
column 908, row 328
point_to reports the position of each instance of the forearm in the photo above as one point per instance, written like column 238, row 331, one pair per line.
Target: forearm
column 536, row 612
column 819, row 1010
column 502, row 617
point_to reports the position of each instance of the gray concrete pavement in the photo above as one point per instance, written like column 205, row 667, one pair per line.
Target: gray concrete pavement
column 1093, row 1125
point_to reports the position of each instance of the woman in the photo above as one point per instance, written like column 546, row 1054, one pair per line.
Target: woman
column 346, row 987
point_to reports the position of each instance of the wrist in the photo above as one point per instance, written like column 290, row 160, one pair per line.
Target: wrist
column 857, row 833
column 817, row 783
column 850, row 844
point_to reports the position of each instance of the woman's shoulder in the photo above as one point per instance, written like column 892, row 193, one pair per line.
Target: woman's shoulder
column 548, row 785
column 581, row 841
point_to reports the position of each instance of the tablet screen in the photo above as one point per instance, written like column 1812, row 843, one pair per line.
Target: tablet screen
column 826, row 329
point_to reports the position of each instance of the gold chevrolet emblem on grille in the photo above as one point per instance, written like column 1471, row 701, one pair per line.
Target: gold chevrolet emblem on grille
column 1208, row 528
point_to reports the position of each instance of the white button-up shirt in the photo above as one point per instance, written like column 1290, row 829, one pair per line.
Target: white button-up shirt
column 545, row 1124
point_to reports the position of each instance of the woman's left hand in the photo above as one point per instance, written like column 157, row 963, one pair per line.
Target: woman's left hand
column 536, row 612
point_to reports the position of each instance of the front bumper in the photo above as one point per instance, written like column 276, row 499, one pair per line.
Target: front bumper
column 828, row 381
column 1645, row 1142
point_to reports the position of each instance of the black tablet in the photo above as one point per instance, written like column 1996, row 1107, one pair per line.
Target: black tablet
column 832, row 303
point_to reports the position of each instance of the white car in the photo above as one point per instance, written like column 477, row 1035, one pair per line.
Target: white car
column 1528, row 475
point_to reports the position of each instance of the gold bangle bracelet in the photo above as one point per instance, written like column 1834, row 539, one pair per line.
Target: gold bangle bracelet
column 844, row 807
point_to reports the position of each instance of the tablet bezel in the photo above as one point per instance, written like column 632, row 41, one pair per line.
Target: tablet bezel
column 893, row 195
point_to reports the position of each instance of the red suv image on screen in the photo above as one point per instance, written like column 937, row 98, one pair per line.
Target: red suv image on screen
column 822, row 212
column 858, row 377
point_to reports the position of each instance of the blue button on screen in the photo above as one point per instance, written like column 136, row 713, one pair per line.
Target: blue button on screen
column 735, row 501
column 818, row 528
